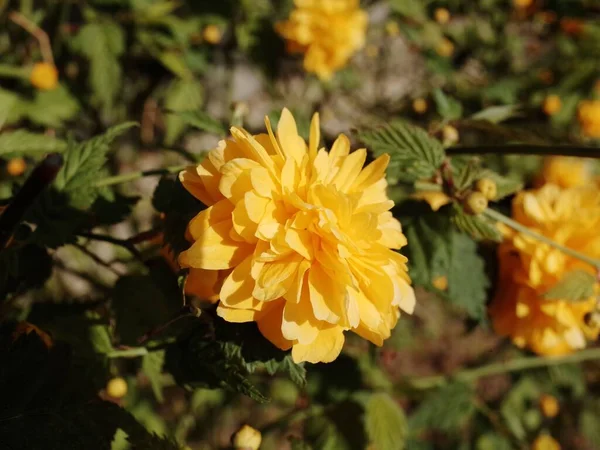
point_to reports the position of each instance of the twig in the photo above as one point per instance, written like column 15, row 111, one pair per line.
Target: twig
column 527, row 149
column 133, row 352
column 97, row 259
column 120, row 242
column 515, row 365
column 124, row 178
column 36, row 32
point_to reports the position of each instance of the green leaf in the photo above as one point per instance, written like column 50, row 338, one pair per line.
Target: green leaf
column 478, row 226
column 436, row 250
column 414, row 154
column 447, row 107
column 82, row 166
column 517, row 402
column 111, row 208
column 202, row 121
column 181, row 95
column 575, row 286
column 102, row 44
column 51, row 108
column 492, row 441
column 446, row 409
column 466, row 172
column 414, row 9
column 588, row 424
column 385, row 422
column 497, row 114
column 152, row 365
column 27, row 143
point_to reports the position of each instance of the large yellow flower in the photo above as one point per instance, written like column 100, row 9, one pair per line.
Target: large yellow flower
column 298, row 239
column 566, row 171
column 529, row 268
column 328, row 32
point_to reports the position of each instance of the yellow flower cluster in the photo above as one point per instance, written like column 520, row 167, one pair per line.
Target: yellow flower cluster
column 529, row 268
column 327, row 32
column 589, row 118
column 299, row 239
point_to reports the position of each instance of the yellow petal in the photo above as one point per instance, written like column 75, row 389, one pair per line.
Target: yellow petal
column 298, row 322
column 275, row 278
column 325, row 348
column 236, row 315
column 214, row 249
column 371, row 174
column 349, row 170
column 323, row 294
column 218, row 212
column 202, row 283
column 315, row 137
column 236, row 181
column 269, row 324
column 236, row 291
column 292, row 145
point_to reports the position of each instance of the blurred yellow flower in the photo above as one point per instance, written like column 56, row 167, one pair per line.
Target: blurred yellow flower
column 441, row 15
column 16, row 166
column 529, row 268
column 212, row 34
column 419, row 105
column 327, row 32
column 589, row 118
column 566, row 171
column 552, row 104
column 545, row 442
column 116, row 387
column 445, row 48
column 247, row 438
column 303, row 238
column 44, row 76
column 549, row 405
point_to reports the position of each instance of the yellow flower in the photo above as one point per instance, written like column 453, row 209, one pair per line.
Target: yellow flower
column 298, row 239
column 529, row 268
column 419, row 105
column 327, row 32
column 549, row 405
column 247, row 438
column 116, row 387
column 44, row 76
column 545, row 442
column 441, row 15
column 589, row 118
column 436, row 199
column 566, row 171
column 16, row 167
column 445, row 48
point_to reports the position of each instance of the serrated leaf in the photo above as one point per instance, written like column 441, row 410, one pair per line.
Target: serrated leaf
column 445, row 409
column 102, row 44
column 82, row 166
column 466, row 172
column 478, row 227
column 385, row 422
column 575, row 286
column 181, row 95
column 447, row 107
column 152, row 365
column 414, row 154
column 202, row 121
column 27, row 143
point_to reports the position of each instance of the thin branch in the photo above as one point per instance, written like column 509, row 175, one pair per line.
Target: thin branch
column 120, row 242
column 36, row 32
column 126, row 177
column 97, row 259
column 527, row 149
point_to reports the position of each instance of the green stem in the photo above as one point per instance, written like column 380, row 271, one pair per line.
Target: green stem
column 126, row 177
column 515, row 365
column 495, row 215
column 13, row 71
column 527, row 149
column 128, row 353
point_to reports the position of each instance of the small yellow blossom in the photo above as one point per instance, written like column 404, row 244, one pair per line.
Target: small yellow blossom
column 304, row 239
column 419, row 105
column 247, row 438
column 212, row 34
column 436, row 199
column 529, row 268
column 445, row 48
column 392, row 28
column 44, row 76
column 327, row 32
column 549, row 405
column 116, row 387
column 589, row 118
column 566, row 171
column 552, row 105
column 441, row 15
column 16, row 167
column 545, row 442
column 440, row 282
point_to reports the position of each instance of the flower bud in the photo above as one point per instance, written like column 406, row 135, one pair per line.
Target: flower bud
column 487, row 187
column 440, row 282
column 441, row 15
column 450, row 135
column 116, row 387
column 545, row 442
column 476, row 203
column 552, row 105
column 212, row 34
column 445, row 48
column 247, row 438
column 16, row 167
column 44, row 76
column 549, row 406
column 419, row 105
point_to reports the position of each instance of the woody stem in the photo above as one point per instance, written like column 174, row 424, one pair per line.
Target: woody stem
column 495, row 215
column 126, row 177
